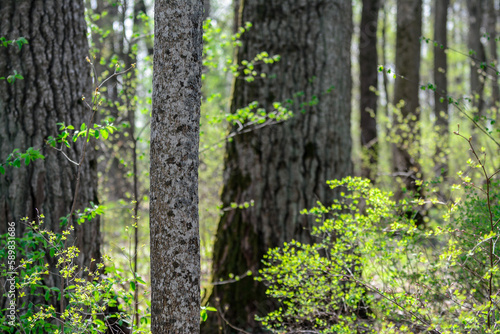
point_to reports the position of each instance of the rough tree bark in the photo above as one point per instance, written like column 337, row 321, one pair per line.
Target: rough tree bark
column 283, row 168
column 175, row 258
column 368, row 78
column 440, row 79
column 405, row 160
column 56, row 76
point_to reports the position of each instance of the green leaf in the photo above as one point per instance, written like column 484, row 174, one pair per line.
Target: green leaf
column 99, row 322
column 21, row 41
column 203, row 315
column 132, row 285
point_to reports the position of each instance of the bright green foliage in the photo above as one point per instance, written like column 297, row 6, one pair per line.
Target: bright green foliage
column 89, row 293
column 217, row 44
column 204, row 314
column 371, row 260
column 14, row 159
column 319, row 283
column 99, row 130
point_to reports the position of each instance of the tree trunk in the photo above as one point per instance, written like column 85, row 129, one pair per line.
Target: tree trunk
column 56, row 76
column 175, row 244
column 440, row 79
column 478, row 55
column 491, row 28
column 283, row 168
column 206, row 12
column 368, row 78
column 237, row 15
column 406, row 121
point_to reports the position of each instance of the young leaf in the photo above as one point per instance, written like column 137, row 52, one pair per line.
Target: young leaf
column 21, row 41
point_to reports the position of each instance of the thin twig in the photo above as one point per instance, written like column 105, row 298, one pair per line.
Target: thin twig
column 232, row 326
column 231, row 280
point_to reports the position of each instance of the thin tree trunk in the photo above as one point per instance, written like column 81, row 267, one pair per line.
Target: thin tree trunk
column 406, row 122
column 440, row 79
column 478, row 55
column 384, row 62
column 56, row 76
column 175, row 240
column 130, row 86
column 237, row 15
column 283, row 168
column 207, row 7
column 368, row 78
column 491, row 28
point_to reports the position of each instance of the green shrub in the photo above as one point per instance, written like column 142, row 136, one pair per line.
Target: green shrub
column 373, row 271
column 89, row 295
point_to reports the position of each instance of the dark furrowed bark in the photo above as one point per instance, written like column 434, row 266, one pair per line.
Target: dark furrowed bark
column 283, row 168
column 56, row 76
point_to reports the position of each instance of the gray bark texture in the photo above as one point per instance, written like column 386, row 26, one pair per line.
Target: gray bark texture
column 283, row 168
column 175, row 246
column 368, row 80
column 56, row 76
column 440, row 79
column 409, row 30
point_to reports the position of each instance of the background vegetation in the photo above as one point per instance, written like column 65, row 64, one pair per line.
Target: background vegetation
column 411, row 247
